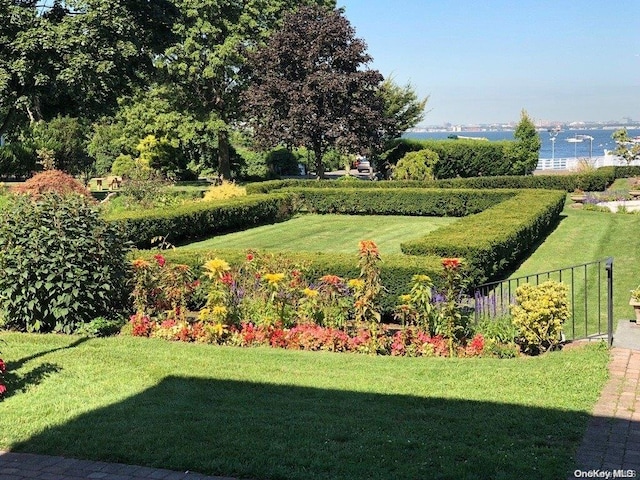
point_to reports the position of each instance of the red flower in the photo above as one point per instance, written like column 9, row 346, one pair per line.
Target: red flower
column 195, row 284
column 227, row 279
column 3, row 366
column 295, row 273
column 451, row 263
column 2, row 389
column 160, row 259
column 249, row 257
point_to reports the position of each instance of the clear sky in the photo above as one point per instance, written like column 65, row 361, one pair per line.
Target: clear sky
column 483, row 61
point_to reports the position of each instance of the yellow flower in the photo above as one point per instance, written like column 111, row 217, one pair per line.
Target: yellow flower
column 274, row 278
column 219, row 311
column 405, row 298
column 216, row 267
column 421, row 278
column 356, row 283
column 310, row 292
column 204, row 314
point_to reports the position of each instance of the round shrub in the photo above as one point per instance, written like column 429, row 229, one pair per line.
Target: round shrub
column 55, row 181
column 416, row 165
column 62, row 264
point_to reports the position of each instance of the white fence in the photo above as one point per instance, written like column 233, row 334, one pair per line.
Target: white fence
column 572, row 163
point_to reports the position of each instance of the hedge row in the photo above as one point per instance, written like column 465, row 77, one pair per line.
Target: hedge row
column 460, row 158
column 396, row 270
column 400, row 201
column 195, row 221
column 493, row 241
column 595, row 181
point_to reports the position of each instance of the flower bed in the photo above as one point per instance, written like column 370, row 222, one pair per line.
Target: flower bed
column 266, row 301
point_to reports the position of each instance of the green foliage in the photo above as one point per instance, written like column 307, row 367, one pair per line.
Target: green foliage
column 399, row 201
column 494, row 240
column 626, row 149
column 416, row 165
column 595, row 181
column 101, row 327
column 17, row 159
column 105, row 145
column 197, row 220
column 402, row 108
column 66, row 138
column 62, row 264
column 525, row 150
column 539, row 314
column 500, row 329
column 124, row 166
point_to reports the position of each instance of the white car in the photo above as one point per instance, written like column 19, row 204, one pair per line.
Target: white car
column 363, row 165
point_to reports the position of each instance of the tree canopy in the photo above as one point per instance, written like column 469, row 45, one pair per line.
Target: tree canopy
column 526, row 148
column 311, row 87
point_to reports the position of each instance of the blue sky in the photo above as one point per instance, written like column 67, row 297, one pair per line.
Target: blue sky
column 484, row 61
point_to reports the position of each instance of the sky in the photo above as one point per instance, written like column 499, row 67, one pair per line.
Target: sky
column 483, row 61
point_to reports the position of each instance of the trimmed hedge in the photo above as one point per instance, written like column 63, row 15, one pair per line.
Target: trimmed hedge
column 495, row 240
column 400, row 201
column 194, row 221
column 594, row 182
column 460, row 158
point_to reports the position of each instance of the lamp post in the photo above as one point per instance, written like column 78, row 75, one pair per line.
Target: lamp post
column 553, row 133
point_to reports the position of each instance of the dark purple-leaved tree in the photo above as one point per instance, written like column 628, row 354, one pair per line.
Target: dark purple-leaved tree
column 311, row 87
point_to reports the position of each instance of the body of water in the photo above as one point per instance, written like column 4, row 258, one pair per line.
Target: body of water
column 563, row 149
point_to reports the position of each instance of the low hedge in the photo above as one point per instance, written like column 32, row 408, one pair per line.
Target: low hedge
column 195, row 221
column 493, row 241
column 596, row 181
column 400, row 201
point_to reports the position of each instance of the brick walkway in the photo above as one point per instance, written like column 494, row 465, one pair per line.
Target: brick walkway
column 28, row 466
column 611, row 444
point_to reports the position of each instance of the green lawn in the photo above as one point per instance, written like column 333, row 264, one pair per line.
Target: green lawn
column 328, row 233
column 584, row 236
column 273, row 414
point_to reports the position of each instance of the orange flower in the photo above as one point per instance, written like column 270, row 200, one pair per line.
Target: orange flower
column 368, row 247
column 140, row 263
column 331, row 279
column 451, row 263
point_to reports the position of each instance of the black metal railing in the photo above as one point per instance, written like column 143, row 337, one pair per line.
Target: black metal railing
column 590, row 298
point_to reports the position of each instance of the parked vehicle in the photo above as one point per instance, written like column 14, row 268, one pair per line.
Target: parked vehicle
column 363, row 165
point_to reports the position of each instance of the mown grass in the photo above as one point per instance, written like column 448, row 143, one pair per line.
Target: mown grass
column 272, row 414
column 328, row 233
column 584, row 236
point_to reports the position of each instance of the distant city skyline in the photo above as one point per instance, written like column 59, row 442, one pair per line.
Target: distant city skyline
column 483, row 62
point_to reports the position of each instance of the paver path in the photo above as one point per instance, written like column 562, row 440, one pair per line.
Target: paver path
column 28, row 466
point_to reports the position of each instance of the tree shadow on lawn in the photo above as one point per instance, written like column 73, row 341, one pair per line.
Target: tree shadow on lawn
column 268, row 431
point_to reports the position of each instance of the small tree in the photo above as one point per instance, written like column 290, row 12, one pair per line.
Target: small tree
column 416, row 165
column 625, row 148
column 526, row 149
column 310, row 87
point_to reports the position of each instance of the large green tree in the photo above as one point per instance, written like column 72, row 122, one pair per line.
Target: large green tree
column 75, row 57
column 403, row 108
column 311, row 87
column 206, row 66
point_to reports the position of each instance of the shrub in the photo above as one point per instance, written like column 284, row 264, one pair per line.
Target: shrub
column 539, row 314
column 52, row 181
column 62, row 264
column 416, row 165
column 224, row 191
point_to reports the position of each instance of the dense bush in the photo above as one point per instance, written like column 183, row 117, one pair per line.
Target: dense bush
column 62, row 264
column 405, row 201
column 197, row 220
column 17, row 160
column 496, row 239
column 539, row 314
column 416, row 165
column 52, row 181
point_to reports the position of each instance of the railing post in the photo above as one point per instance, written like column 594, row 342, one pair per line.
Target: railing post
column 609, row 267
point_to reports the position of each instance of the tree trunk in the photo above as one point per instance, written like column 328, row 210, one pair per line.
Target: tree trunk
column 224, row 161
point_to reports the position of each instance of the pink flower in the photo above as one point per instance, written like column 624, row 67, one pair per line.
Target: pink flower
column 2, row 389
column 3, row 366
column 160, row 259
